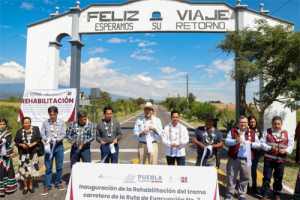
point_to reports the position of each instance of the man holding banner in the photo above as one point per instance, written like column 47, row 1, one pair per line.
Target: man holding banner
column 208, row 138
column 80, row 134
column 108, row 135
column 240, row 141
column 53, row 132
column 147, row 129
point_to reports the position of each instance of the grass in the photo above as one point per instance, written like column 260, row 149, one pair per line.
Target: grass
column 15, row 104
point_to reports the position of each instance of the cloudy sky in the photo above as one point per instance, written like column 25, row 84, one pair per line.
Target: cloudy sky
column 133, row 65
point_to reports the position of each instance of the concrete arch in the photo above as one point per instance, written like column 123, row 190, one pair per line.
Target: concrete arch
column 61, row 36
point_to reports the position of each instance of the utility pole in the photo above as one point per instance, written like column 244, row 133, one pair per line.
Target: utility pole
column 187, row 96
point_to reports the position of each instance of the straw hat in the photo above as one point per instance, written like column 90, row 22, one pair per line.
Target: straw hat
column 149, row 105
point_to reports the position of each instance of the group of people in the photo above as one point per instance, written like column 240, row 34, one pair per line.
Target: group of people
column 246, row 143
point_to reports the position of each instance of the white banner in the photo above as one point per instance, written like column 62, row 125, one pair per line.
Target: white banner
column 142, row 182
column 173, row 16
column 35, row 104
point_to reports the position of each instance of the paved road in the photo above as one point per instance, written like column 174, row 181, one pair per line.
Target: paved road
column 128, row 155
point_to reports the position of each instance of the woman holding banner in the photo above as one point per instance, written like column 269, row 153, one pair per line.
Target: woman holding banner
column 27, row 139
column 8, row 183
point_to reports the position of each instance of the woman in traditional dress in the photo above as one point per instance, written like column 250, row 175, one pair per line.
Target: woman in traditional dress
column 27, row 139
column 8, row 183
column 252, row 122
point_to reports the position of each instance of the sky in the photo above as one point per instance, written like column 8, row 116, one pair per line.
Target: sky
column 134, row 65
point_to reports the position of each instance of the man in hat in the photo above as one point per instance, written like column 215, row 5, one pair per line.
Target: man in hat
column 208, row 136
column 240, row 141
column 147, row 129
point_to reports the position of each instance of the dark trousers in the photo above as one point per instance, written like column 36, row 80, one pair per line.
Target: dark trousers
column 84, row 154
column 179, row 159
column 105, row 150
column 298, row 152
column 254, row 166
column 278, row 174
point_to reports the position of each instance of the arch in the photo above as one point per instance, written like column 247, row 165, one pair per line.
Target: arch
column 61, row 36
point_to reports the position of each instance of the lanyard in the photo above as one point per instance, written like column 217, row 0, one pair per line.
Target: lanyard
column 111, row 127
column 54, row 134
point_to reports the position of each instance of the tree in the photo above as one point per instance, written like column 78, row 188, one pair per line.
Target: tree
column 105, row 96
column 140, row 101
column 191, row 98
column 152, row 101
column 200, row 110
column 270, row 53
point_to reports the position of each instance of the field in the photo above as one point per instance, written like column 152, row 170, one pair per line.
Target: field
column 16, row 105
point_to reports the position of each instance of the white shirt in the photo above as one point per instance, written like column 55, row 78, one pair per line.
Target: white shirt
column 175, row 139
column 142, row 123
column 266, row 147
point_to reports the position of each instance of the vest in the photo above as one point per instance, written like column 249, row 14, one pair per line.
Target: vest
column 271, row 141
column 233, row 150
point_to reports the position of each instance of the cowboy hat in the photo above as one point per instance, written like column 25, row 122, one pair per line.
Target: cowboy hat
column 149, row 105
column 211, row 116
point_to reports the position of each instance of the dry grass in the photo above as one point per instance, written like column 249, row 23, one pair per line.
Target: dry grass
column 221, row 106
column 17, row 105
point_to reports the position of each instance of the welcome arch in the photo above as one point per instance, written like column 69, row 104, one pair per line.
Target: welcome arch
column 135, row 16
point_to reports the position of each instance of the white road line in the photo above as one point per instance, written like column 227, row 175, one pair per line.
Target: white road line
column 191, row 161
column 180, row 119
column 120, row 150
column 131, row 118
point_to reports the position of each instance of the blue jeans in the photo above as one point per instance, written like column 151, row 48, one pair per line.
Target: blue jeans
column 106, row 150
column 278, row 174
column 58, row 154
column 254, row 166
column 84, row 154
column 180, row 160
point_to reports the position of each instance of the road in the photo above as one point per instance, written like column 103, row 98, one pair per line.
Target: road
column 128, row 155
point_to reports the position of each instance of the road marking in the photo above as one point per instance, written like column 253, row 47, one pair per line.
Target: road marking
column 136, row 161
column 43, row 169
column 131, row 118
column 260, row 177
column 120, row 151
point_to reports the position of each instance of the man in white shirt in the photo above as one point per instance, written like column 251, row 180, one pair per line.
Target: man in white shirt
column 175, row 137
column 276, row 143
column 147, row 129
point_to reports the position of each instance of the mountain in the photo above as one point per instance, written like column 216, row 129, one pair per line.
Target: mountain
column 11, row 90
column 17, row 89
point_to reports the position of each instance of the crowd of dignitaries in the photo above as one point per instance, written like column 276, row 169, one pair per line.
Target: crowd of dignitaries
column 246, row 143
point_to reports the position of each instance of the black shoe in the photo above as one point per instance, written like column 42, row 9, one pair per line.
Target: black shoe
column 25, row 191
column 31, row 190
column 254, row 189
column 248, row 188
